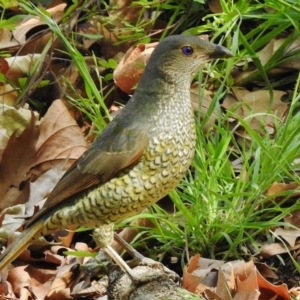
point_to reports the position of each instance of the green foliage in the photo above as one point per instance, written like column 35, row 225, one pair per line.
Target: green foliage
column 78, row 60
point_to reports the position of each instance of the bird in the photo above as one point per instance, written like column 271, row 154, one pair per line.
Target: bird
column 139, row 157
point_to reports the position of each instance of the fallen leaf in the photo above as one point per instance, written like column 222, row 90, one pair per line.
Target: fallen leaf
column 269, row 290
column 60, row 139
column 17, row 159
column 131, row 67
column 248, row 289
column 290, row 235
column 19, row 279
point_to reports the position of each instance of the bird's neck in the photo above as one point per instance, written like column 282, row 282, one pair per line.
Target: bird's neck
column 164, row 99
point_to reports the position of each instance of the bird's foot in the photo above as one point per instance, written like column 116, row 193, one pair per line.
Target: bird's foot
column 150, row 263
column 141, row 260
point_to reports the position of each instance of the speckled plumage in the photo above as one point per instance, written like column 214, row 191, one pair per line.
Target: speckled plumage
column 139, row 158
column 163, row 164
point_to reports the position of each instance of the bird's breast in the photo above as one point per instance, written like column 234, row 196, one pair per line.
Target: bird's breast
column 163, row 164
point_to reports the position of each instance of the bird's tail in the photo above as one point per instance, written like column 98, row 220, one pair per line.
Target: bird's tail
column 19, row 244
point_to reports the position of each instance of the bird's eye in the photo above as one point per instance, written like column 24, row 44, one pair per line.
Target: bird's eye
column 187, row 50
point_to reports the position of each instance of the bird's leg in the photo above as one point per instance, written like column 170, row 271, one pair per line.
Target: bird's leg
column 139, row 259
column 104, row 235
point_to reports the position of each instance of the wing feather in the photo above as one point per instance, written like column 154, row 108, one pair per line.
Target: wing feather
column 114, row 150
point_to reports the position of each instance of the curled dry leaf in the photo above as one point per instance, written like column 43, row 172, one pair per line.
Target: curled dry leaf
column 131, row 67
column 21, row 32
column 271, row 291
column 60, row 139
column 233, row 280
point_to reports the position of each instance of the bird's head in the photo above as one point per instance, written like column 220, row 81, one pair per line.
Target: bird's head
column 180, row 56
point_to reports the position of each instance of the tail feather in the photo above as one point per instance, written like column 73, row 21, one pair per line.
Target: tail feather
column 19, row 244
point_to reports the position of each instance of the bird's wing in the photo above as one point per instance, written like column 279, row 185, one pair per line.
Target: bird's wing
column 115, row 149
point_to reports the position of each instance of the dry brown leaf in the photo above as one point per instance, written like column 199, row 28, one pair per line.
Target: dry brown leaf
column 265, row 271
column 7, row 40
column 258, row 109
column 279, row 187
column 8, row 95
column 275, row 249
column 225, row 286
column 212, row 295
column 17, row 159
column 295, row 292
column 19, row 279
column 235, row 280
column 200, row 270
column 190, row 281
column 12, row 120
column 293, row 218
column 260, row 102
column 62, row 280
column 266, row 54
column 66, row 240
column 215, row 6
column 269, row 290
column 131, row 67
column 290, row 235
column 60, row 138
column 20, row 66
column 21, row 32
column 49, row 257
column 41, row 280
column 4, row 67
column 230, row 103
column 41, row 188
column 248, row 289
column 6, row 289
column 288, row 64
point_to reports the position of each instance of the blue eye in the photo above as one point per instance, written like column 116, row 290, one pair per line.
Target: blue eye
column 187, row 50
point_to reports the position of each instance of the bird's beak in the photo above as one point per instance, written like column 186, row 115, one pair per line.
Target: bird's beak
column 220, row 52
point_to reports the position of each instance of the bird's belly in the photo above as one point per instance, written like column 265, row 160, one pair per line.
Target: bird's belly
column 160, row 169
